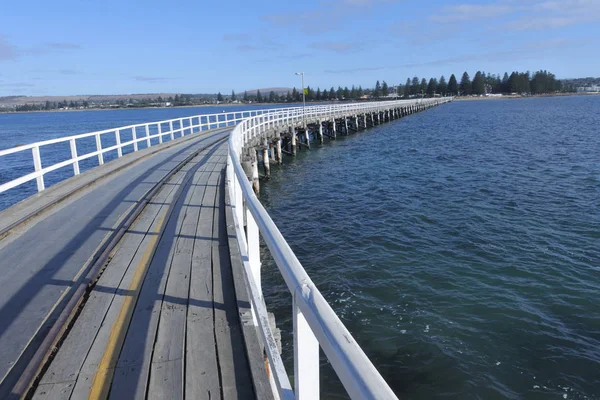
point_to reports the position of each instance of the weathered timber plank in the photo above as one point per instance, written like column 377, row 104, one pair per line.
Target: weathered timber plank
column 233, row 364
column 167, row 368
column 254, row 346
column 202, row 375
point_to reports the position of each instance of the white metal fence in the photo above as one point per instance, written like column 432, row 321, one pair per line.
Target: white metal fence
column 314, row 321
column 123, row 139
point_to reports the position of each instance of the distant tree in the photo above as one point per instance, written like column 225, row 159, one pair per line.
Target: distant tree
column 346, row 93
column 377, row 91
column 442, row 87
column 431, row 87
column 452, row 86
column 296, row 96
column 332, row 94
column 407, row 91
column 219, row 97
column 478, row 84
column 423, row 87
column 233, row 98
column 259, row 97
column 385, row 90
column 288, row 97
column 505, row 87
column 359, row 92
column 310, row 94
column 400, row 90
column 272, row 97
column 465, row 85
column 340, row 93
column 245, row 97
column 318, row 96
column 414, row 86
column 353, row 92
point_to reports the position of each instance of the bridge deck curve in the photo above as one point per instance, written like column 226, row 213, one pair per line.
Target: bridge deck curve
column 162, row 320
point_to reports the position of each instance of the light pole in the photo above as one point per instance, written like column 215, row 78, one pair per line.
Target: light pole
column 303, row 98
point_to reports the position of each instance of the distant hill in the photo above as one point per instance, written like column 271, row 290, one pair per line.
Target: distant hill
column 8, row 101
column 277, row 90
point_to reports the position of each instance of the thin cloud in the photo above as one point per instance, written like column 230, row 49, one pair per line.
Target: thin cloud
column 62, row 46
column 151, row 79
column 8, row 51
column 338, row 47
column 470, row 12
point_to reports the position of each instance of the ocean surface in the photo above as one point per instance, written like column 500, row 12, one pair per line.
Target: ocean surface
column 460, row 245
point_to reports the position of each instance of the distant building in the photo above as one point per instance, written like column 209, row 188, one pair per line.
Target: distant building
column 589, row 89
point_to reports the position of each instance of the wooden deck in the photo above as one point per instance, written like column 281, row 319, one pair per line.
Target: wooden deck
column 164, row 320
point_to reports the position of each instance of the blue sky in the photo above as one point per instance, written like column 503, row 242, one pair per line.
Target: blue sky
column 118, row 47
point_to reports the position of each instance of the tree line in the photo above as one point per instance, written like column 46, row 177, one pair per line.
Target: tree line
column 540, row 82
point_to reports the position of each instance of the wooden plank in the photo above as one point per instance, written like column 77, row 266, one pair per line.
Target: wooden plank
column 54, row 391
column 202, row 376
column 84, row 382
column 131, row 374
column 167, row 368
column 69, row 360
column 254, row 346
column 236, row 379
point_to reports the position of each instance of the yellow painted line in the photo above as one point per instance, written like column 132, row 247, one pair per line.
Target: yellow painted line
column 106, row 368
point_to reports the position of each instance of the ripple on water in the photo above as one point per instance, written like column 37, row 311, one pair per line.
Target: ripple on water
column 463, row 253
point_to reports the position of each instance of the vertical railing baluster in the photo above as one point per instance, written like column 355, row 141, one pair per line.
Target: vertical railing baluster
column 148, row 143
column 99, row 149
column 181, row 126
column 118, row 138
column 74, row 156
column 134, row 135
column 160, row 140
column 37, row 166
column 252, row 237
column 171, row 127
column 306, row 355
column 191, row 125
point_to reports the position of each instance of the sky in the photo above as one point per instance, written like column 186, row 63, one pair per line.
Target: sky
column 79, row 47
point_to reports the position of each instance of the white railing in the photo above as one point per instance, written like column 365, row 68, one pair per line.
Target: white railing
column 314, row 321
column 140, row 135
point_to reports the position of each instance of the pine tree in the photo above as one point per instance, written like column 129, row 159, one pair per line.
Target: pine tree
column 431, row 87
column 465, row 85
column 340, row 93
column 478, row 84
column 332, row 94
column 377, row 91
column 245, row 97
column 353, row 92
column 407, row 88
column 346, row 93
column 232, row 95
column 259, row 97
column 423, row 87
column 414, row 86
column 318, row 95
column 272, row 98
column 385, row 91
column 219, row 97
column 288, row 97
column 360, row 93
column 452, row 86
column 442, row 87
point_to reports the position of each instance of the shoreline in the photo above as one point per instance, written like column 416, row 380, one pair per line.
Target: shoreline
column 518, row 96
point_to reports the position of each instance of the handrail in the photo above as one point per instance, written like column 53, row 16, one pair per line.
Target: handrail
column 315, row 323
column 148, row 133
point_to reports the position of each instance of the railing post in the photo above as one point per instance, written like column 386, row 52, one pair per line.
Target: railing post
column 134, row 135
column 118, row 138
column 306, row 356
column 148, row 144
column 74, row 156
column 171, row 127
column 160, row 133
column 37, row 166
column 252, row 237
column 181, row 126
column 191, row 125
column 99, row 149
